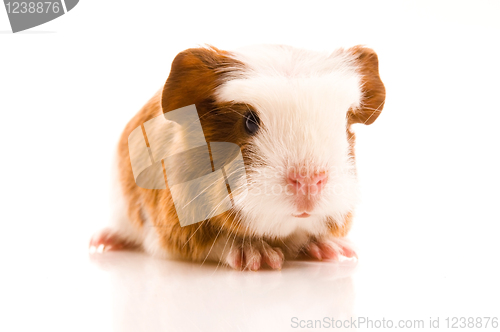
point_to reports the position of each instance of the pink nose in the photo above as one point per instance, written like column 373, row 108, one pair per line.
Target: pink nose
column 306, row 182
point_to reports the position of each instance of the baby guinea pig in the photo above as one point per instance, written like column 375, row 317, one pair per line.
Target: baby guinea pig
column 290, row 111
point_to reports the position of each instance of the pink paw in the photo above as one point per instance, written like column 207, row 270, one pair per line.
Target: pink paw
column 252, row 256
column 330, row 248
column 106, row 240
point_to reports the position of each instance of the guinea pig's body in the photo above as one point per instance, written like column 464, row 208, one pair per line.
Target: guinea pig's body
column 290, row 111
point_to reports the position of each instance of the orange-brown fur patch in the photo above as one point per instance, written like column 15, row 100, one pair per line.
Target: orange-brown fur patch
column 373, row 89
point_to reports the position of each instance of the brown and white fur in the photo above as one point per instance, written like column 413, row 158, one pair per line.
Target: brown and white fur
column 306, row 102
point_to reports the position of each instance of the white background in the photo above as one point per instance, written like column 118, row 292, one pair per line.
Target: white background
column 428, row 226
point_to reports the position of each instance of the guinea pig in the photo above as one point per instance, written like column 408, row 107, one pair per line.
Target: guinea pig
column 290, row 112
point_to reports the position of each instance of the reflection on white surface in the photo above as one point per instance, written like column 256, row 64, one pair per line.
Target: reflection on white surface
column 149, row 294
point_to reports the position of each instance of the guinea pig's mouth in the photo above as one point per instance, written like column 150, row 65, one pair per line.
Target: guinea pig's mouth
column 302, row 215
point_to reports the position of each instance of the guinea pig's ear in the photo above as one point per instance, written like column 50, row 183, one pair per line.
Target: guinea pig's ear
column 373, row 90
column 194, row 75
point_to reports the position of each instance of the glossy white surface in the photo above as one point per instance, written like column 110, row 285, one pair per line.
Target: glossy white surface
column 427, row 228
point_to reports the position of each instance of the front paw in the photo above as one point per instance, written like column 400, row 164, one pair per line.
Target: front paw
column 253, row 255
column 329, row 248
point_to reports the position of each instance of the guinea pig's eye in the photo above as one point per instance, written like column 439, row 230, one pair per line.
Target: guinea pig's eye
column 252, row 123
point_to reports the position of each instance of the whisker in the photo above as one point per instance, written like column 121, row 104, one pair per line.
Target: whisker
column 216, row 237
column 233, row 226
column 194, row 233
column 208, row 254
column 206, row 188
